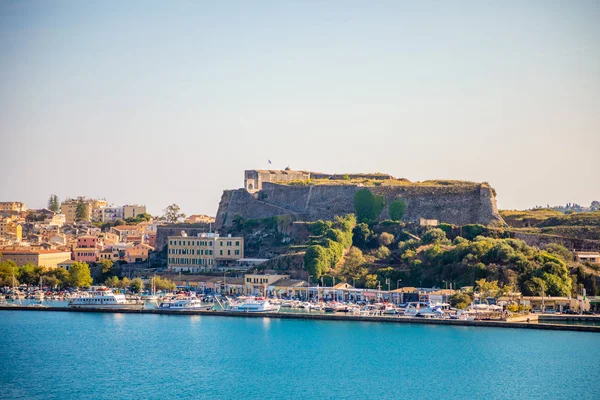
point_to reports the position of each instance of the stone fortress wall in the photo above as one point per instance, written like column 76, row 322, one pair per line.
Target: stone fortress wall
column 267, row 194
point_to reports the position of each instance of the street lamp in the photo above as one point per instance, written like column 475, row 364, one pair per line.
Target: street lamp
column 310, row 276
column 398, row 283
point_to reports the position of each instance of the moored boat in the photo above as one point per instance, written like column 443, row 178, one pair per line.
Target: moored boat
column 103, row 297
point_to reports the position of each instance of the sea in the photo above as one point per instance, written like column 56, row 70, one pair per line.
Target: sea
column 63, row 355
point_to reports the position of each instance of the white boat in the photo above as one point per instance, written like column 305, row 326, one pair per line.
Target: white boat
column 103, row 297
column 252, row 306
column 413, row 308
column 184, row 304
column 434, row 310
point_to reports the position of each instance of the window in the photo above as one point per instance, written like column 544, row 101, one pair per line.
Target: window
column 221, row 252
column 228, row 252
column 237, row 243
column 237, row 252
column 221, row 244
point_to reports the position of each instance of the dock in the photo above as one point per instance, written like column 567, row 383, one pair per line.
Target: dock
column 551, row 323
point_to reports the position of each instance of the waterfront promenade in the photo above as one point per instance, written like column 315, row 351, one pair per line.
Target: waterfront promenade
column 550, row 322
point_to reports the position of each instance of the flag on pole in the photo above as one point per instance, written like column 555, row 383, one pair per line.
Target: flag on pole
column 270, row 162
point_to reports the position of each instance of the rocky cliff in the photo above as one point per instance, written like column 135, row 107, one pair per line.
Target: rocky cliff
column 456, row 204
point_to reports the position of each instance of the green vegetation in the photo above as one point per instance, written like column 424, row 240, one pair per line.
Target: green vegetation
column 172, row 214
column 460, row 300
column 368, row 206
column 327, row 251
column 79, row 275
column 82, row 212
column 144, row 217
column 397, row 210
column 137, row 285
column 53, row 203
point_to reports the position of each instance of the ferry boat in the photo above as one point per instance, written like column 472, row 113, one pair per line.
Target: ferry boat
column 184, row 304
column 252, row 306
column 103, row 297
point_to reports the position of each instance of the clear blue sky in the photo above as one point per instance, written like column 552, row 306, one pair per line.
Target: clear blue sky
column 163, row 102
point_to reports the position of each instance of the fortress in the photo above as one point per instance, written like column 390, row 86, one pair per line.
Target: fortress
column 311, row 196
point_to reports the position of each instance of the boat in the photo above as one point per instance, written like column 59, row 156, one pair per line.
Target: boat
column 184, row 304
column 434, row 310
column 413, row 308
column 252, row 306
column 104, row 298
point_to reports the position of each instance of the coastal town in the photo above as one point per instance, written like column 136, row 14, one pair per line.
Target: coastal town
column 355, row 262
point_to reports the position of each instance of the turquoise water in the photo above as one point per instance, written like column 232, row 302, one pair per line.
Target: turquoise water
column 55, row 355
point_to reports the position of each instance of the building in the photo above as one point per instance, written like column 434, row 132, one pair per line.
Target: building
column 57, row 220
column 42, row 258
column 12, row 206
column 109, row 254
column 69, row 208
column 133, row 210
column 202, row 252
column 137, row 253
column 122, row 231
column 87, row 242
column 111, row 214
column 591, row 256
column 258, row 284
column 11, row 230
column 199, row 218
column 87, row 255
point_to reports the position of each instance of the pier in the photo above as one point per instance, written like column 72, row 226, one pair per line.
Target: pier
column 552, row 323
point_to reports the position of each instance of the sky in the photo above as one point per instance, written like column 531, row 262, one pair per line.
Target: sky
column 155, row 102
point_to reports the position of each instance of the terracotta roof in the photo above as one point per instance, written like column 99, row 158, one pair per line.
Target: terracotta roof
column 126, row 227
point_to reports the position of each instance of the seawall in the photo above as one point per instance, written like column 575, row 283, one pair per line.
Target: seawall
column 325, row 317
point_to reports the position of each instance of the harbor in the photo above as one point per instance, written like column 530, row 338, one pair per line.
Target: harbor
column 550, row 322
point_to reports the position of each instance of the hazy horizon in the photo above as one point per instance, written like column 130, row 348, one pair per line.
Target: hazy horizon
column 158, row 103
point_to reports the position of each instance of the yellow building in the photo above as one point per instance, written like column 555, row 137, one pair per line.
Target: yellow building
column 203, row 252
column 12, row 206
column 11, row 230
column 43, row 258
column 133, row 210
column 69, row 208
column 257, row 284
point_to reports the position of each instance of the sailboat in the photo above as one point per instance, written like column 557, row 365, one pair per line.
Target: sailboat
column 152, row 298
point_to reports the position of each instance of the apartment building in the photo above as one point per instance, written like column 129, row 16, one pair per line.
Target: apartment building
column 203, row 252
column 133, row 210
column 44, row 258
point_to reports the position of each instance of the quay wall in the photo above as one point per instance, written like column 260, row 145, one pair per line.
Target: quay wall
column 326, row 317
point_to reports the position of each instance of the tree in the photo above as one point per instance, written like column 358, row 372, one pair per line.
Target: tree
column 82, row 212
column 353, row 265
column 397, row 210
column 487, row 289
column 50, row 281
column 172, row 213
column 382, row 252
column 112, row 281
column 316, row 261
column 435, row 235
column 124, row 283
column 29, row 274
column 385, row 239
column 460, row 300
column 368, row 206
column 60, row 274
column 137, row 285
column 105, row 266
column 361, row 235
column 163, row 284
column 53, row 203
column 79, row 275
column 371, row 281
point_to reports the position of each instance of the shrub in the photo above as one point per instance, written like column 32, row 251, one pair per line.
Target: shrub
column 434, row 235
column 368, row 206
column 385, row 239
column 397, row 210
column 382, row 252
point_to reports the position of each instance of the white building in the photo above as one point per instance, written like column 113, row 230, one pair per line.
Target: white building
column 111, row 214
